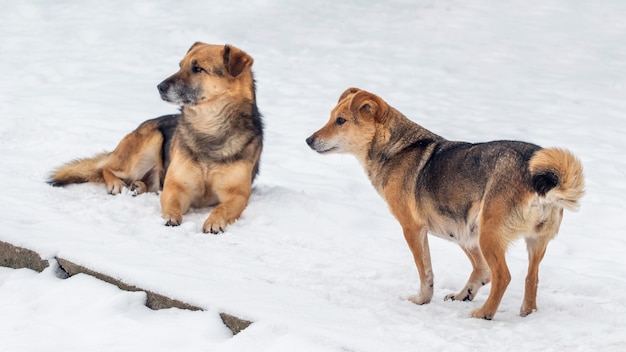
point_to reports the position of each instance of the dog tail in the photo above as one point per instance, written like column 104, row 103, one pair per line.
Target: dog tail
column 79, row 171
column 557, row 175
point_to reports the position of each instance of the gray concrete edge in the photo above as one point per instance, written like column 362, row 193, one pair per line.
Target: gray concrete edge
column 16, row 257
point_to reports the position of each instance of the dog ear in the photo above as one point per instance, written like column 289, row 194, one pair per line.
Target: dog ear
column 236, row 60
column 346, row 93
column 195, row 45
column 370, row 105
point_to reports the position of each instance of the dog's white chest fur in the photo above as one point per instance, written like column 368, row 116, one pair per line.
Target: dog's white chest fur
column 466, row 235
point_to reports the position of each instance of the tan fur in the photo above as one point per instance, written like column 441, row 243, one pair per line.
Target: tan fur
column 481, row 196
column 213, row 147
column 555, row 160
column 83, row 170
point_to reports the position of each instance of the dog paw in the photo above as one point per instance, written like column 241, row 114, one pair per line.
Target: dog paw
column 115, row 187
column 483, row 314
column 419, row 299
column 526, row 310
column 217, row 221
column 173, row 220
column 465, row 295
column 137, row 188
column 214, row 225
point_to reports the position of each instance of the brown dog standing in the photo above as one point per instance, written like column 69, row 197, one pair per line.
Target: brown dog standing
column 206, row 155
column 482, row 196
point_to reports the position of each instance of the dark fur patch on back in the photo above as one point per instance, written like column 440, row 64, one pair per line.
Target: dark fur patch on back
column 167, row 126
column 544, row 182
column 420, row 144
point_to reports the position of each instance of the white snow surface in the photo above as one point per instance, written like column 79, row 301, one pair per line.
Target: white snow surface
column 316, row 260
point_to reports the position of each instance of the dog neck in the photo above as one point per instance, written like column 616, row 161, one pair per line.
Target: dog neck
column 394, row 139
column 208, row 116
column 218, row 132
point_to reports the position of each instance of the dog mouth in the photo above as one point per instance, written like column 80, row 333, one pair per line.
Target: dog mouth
column 177, row 94
column 320, row 146
column 177, row 100
column 325, row 151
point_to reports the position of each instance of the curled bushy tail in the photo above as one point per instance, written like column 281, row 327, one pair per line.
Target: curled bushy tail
column 79, row 171
column 558, row 175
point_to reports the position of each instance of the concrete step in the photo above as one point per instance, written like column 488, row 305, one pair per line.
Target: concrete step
column 12, row 256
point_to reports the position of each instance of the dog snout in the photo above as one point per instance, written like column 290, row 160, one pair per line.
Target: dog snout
column 310, row 141
column 163, row 87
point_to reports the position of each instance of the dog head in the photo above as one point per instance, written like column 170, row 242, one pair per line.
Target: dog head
column 352, row 125
column 207, row 72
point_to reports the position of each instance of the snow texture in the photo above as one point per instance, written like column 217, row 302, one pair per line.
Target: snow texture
column 316, row 261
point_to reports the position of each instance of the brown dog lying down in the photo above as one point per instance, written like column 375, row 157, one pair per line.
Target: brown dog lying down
column 207, row 155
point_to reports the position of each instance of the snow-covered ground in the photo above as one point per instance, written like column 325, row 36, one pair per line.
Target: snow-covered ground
column 316, row 261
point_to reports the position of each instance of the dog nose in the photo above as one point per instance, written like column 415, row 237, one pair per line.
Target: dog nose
column 163, row 87
column 310, row 141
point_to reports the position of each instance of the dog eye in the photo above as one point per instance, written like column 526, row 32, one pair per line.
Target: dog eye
column 340, row 121
column 196, row 69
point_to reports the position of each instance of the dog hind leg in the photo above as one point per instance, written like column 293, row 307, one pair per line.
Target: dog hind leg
column 480, row 276
column 113, row 183
column 536, row 250
column 536, row 246
column 136, row 161
column 493, row 241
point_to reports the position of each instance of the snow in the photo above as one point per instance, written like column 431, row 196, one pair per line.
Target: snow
column 316, row 261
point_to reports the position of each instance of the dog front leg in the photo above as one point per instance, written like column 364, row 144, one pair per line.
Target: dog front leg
column 175, row 201
column 417, row 239
column 232, row 185
column 233, row 201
